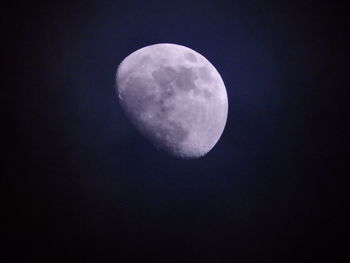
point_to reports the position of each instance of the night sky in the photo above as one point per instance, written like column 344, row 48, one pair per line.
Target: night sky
column 81, row 182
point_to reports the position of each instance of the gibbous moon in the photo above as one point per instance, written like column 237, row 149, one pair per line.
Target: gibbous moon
column 175, row 98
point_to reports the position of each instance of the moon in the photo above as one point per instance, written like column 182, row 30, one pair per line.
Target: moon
column 175, row 97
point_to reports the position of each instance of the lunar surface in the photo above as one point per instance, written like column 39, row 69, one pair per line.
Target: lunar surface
column 175, row 98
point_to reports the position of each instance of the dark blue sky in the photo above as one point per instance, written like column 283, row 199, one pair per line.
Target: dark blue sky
column 83, row 183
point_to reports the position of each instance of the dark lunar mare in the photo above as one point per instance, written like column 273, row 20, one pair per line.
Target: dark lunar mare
column 139, row 98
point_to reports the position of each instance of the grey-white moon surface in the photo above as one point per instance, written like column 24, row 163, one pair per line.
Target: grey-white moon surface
column 175, row 98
